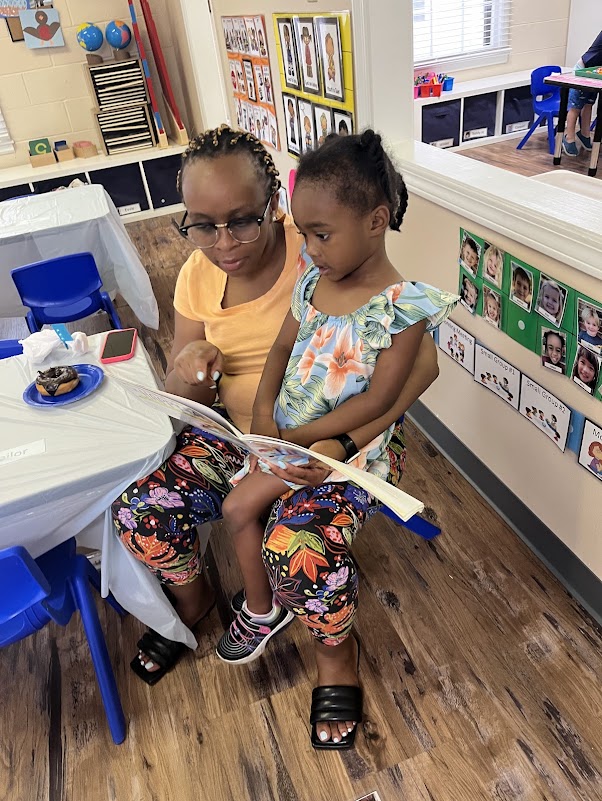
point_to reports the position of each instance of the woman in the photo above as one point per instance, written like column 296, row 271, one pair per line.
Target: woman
column 230, row 300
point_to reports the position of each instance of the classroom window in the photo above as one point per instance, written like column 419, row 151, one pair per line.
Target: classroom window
column 464, row 32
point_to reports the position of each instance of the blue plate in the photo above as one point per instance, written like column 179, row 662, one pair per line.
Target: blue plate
column 90, row 378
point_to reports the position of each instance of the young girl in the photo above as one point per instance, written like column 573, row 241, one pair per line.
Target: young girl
column 553, row 351
column 340, row 360
column 494, row 265
column 491, row 307
column 585, row 371
column 551, row 300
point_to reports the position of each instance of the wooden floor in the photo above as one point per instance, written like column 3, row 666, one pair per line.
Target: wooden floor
column 533, row 159
column 481, row 674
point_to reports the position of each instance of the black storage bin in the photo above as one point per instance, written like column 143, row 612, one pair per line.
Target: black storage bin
column 441, row 124
column 49, row 184
column 125, row 186
column 161, row 176
column 518, row 109
column 479, row 116
column 14, row 191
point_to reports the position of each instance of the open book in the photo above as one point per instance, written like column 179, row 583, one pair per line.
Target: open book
column 267, row 448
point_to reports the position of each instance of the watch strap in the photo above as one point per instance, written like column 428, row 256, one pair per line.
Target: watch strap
column 351, row 449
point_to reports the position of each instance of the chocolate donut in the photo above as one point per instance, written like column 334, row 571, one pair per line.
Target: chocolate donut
column 57, row 380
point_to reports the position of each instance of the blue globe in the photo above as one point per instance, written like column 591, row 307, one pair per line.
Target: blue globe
column 118, row 34
column 89, row 36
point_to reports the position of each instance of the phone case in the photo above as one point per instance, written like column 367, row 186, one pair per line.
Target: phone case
column 124, row 357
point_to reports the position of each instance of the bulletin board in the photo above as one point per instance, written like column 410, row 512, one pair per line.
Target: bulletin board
column 250, row 77
column 315, row 62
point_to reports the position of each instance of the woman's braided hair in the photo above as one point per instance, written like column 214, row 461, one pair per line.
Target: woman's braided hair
column 224, row 140
column 359, row 172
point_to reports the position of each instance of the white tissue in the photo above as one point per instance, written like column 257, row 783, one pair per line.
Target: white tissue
column 37, row 347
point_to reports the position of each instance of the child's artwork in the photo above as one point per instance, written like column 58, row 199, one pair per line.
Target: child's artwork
column 293, row 139
column 289, row 54
column 590, row 453
column 306, row 44
column 589, row 325
column 306, row 122
column 458, row 344
column 248, row 69
column 545, row 411
column 492, row 307
column 343, row 123
column 551, row 300
column 261, row 37
column 252, row 36
column 323, row 119
column 42, row 28
column 469, row 294
column 331, row 57
column 493, row 265
column 14, row 9
column 586, row 369
column 553, row 350
column 521, row 288
column 470, row 252
column 497, row 375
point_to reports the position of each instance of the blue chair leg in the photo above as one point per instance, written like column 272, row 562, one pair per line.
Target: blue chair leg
column 94, row 578
column 100, row 656
column 111, row 311
column 32, row 323
column 551, row 133
column 418, row 525
column 527, row 136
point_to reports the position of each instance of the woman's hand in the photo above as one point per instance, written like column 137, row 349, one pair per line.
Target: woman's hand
column 314, row 472
column 199, row 364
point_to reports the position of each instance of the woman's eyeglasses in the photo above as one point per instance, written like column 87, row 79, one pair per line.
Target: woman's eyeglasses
column 205, row 235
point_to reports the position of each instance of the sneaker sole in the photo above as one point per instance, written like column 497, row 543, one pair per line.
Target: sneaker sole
column 260, row 648
column 570, row 155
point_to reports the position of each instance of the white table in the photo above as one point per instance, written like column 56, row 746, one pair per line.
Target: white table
column 81, row 457
column 77, row 220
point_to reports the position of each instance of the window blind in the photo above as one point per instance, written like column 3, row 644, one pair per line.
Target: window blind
column 6, row 143
column 459, row 29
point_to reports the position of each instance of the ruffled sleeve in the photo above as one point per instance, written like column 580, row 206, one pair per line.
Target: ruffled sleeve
column 402, row 305
column 304, row 287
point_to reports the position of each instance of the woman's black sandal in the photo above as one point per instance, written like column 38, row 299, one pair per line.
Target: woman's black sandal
column 334, row 704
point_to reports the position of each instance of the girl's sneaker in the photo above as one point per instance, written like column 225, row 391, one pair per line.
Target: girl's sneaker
column 247, row 637
column 237, row 601
column 570, row 148
column 585, row 141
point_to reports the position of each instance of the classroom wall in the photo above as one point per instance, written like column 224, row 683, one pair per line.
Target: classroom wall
column 585, row 20
column 538, row 36
column 553, row 485
column 45, row 92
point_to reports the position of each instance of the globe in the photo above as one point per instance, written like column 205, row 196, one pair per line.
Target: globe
column 118, row 34
column 89, row 36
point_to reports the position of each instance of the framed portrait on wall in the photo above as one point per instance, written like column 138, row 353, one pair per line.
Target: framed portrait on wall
column 306, row 125
column 248, row 67
column 331, row 57
column 291, row 119
column 323, row 120
column 308, row 54
column 286, row 33
column 343, row 123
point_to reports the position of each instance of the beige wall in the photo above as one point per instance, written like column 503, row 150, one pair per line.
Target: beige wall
column 45, row 92
column 538, row 36
column 552, row 484
column 283, row 161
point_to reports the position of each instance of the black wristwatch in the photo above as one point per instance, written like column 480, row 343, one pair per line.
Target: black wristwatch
column 351, row 449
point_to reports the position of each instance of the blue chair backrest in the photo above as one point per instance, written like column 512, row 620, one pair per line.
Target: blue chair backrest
column 10, row 347
column 60, row 281
column 538, row 87
column 22, row 583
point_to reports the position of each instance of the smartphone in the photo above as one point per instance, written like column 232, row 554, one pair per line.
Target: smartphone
column 119, row 346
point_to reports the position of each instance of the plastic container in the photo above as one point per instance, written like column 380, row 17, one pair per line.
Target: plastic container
column 416, row 92
column 425, row 90
column 436, row 89
column 448, row 84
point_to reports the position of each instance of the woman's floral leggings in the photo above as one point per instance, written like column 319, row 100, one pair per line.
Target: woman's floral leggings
column 308, row 537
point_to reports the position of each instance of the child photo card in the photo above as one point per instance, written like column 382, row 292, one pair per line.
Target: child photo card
column 553, row 349
column 492, row 307
column 590, row 453
column 589, row 324
column 545, row 411
column 458, row 344
column 493, row 264
column 586, row 369
column 551, row 300
column 470, row 292
column 471, row 250
column 523, row 280
column 497, row 375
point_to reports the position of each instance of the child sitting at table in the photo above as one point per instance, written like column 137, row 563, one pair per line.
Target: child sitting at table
column 581, row 103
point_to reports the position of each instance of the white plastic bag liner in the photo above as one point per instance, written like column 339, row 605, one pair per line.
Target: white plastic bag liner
column 81, row 219
column 37, row 347
column 80, row 458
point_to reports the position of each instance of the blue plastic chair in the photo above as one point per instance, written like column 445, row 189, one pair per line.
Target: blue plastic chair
column 10, row 347
column 52, row 587
column 61, row 290
column 546, row 107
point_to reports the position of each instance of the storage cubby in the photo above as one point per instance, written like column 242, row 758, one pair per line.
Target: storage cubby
column 125, row 186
